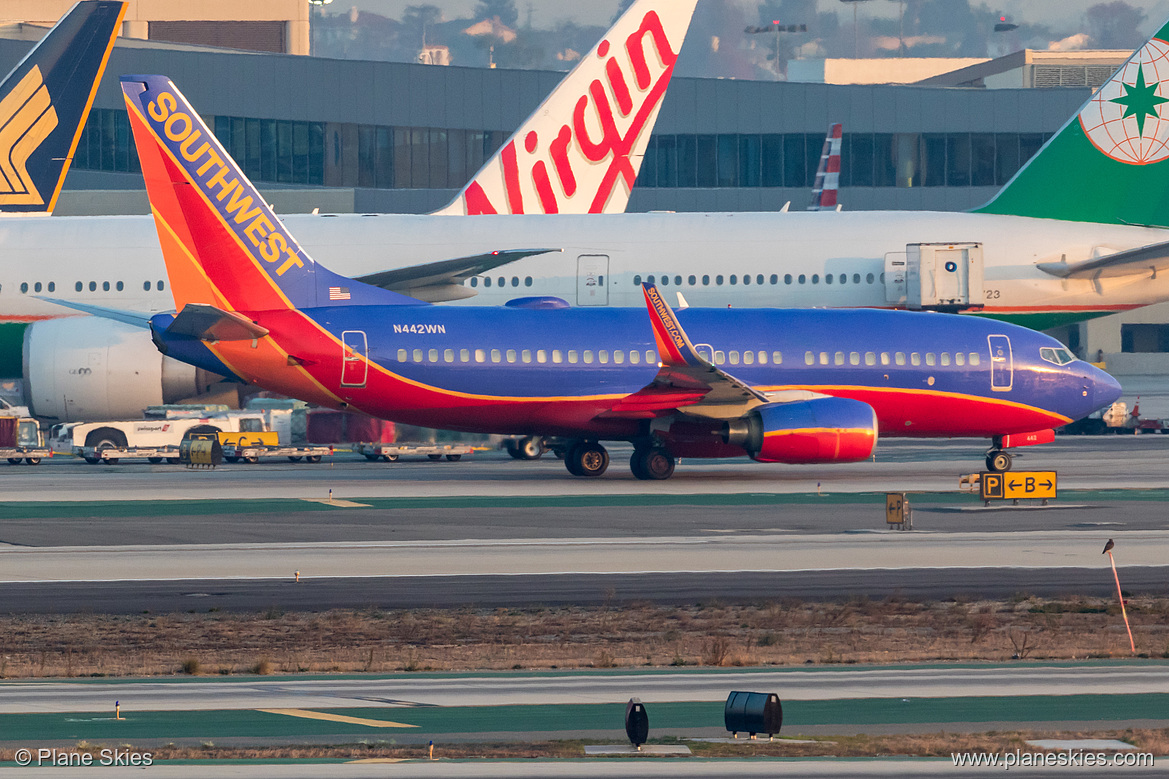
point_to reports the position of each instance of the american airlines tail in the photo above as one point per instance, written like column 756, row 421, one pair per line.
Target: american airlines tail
column 827, row 183
column 1110, row 162
column 580, row 151
column 45, row 101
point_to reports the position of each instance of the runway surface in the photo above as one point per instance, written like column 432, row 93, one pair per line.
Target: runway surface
column 1106, row 462
column 591, row 687
column 393, row 592
column 494, row 531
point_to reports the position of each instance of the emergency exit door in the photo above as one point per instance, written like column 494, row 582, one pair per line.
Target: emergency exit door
column 1002, row 367
column 592, row 271
column 354, row 350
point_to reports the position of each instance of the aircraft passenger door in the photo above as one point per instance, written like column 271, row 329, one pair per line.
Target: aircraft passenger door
column 354, row 350
column 592, row 271
column 895, row 277
column 1002, row 369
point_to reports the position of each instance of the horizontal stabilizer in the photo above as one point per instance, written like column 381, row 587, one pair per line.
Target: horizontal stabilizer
column 209, row 323
column 1142, row 260
column 437, row 282
column 126, row 317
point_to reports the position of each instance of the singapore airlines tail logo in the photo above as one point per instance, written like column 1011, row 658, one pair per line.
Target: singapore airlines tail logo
column 27, row 118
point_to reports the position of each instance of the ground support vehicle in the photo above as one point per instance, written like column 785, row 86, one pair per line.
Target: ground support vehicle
column 255, row 453
column 392, row 452
column 110, row 455
column 20, row 440
column 155, row 438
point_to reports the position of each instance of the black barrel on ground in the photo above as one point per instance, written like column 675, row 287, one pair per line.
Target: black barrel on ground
column 753, row 712
column 636, row 722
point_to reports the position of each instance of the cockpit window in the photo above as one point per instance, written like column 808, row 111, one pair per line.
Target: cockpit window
column 1056, row 356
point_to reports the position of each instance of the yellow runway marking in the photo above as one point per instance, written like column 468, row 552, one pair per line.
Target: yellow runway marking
column 389, row 759
column 345, row 504
column 305, row 714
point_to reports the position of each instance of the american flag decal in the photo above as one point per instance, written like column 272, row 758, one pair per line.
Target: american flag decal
column 338, row 293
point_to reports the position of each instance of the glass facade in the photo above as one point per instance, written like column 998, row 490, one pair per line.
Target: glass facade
column 314, row 153
column 866, row 159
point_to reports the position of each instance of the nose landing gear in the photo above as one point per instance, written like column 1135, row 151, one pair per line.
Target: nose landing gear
column 998, row 461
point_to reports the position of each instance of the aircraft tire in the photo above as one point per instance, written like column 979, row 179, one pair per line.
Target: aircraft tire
column 589, row 459
column 998, row 461
column 652, row 464
column 529, row 448
column 570, row 461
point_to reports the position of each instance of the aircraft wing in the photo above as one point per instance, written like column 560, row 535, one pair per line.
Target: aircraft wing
column 438, row 282
column 135, row 318
column 1149, row 259
column 686, row 380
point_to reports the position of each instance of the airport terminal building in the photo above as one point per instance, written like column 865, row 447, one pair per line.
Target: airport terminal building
column 345, row 135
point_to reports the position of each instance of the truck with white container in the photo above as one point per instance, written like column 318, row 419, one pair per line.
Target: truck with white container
column 155, row 438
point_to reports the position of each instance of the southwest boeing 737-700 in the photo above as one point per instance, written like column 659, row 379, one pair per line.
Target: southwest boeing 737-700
column 799, row 386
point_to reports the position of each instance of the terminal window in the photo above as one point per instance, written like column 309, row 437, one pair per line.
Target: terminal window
column 1144, row 338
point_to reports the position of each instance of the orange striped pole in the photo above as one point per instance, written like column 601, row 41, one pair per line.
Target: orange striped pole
column 1120, row 595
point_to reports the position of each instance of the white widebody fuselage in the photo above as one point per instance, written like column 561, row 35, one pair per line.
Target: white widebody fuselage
column 825, row 259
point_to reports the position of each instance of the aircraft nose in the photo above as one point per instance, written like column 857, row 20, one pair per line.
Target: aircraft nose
column 1102, row 388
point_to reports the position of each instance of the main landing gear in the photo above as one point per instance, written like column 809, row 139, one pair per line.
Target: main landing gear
column 998, row 461
column 651, row 463
column 586, row 458
column 590, row 459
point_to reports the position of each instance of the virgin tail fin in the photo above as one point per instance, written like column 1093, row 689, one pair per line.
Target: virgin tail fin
column 580, row 151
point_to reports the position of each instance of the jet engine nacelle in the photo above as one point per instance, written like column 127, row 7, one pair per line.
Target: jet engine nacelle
column 821, row 430
column 85, row 369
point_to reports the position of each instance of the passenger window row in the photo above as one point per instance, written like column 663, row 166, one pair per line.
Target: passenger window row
column 527, row 356
column 897, row 358
column 759, row 279
column 501, row 281
column 748, row 357
column 80, row 286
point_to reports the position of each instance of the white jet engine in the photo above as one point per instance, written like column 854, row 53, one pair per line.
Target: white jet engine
column 87, row 369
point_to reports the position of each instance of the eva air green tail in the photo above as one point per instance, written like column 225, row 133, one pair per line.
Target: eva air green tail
column 1110, row 162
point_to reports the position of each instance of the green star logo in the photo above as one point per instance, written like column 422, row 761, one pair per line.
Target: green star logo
column 1140, row 100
